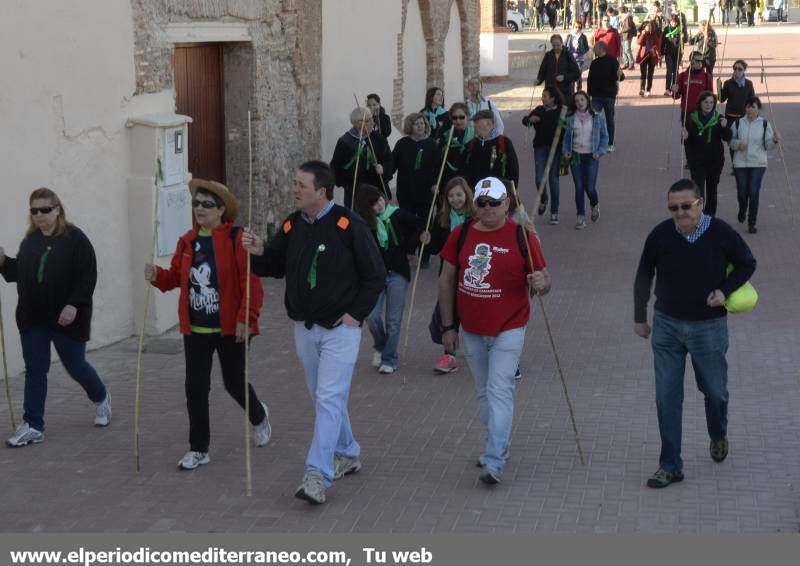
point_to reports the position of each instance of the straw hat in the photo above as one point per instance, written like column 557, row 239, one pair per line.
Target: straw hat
column 231, row 202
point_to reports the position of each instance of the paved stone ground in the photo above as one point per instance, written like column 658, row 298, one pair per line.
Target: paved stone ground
column 420, row 433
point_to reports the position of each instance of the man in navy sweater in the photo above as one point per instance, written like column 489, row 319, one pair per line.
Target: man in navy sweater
column 689, row 255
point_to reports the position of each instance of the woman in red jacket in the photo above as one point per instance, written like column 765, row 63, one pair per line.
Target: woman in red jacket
column 210, row 268
column 648, row 56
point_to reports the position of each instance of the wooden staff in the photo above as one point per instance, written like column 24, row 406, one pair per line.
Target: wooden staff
column 147, row 289
column 550, row 334
column 550, row 157
column 722, row 61
column 674, row 82
column 422, row 246
column 685, row 104
column 358, row 158
column 789, row 189
column 5, row 370
column 248, row 467
column 374, row 157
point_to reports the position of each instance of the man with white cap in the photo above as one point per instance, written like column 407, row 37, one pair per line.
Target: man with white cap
column 485, row 281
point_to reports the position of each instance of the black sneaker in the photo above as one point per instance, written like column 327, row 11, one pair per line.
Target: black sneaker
column 663, row 478
column 719, row 449
column 489, row 477
column 752, row 229
column 517, row 374
column 740, row 217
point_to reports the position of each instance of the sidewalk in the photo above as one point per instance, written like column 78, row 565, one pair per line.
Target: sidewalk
column 421, row 434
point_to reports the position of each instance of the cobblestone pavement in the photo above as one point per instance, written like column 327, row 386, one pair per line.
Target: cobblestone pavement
column 420, row 433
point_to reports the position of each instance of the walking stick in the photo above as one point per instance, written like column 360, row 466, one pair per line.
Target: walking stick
column 358, row 158
column 5, row 369
column 422, row 245
column 722, row 61
column 374, row 160
column 248, row 467
column 685, row 106
column 550, row 157
column 550, row 336
column 678, row 64
column 789, row 189
column 148, row 287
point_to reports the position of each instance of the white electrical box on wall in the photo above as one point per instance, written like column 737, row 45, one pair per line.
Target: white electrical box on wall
column 159, row 172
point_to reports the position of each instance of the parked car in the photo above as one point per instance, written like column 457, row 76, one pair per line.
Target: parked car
column 515, row 20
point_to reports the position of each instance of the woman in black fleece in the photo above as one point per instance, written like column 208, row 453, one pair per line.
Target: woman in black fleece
column 398, row 233
column 703, row 135
column 383, row 124
column 544, row 118
column 56, row 272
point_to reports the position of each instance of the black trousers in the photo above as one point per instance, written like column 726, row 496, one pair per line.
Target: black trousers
column 647, row 68
column 706, row 177
column 199, row 352
column 672, row 69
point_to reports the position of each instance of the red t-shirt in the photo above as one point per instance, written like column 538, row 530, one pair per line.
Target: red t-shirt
column 492, row 294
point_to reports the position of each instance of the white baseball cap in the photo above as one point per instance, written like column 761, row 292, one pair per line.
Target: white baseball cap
column 490, row 187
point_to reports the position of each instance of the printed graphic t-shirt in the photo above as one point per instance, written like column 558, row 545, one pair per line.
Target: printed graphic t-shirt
column 203, row 290
column 492, row 293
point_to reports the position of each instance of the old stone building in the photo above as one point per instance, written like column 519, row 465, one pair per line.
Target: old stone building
column 85, row 72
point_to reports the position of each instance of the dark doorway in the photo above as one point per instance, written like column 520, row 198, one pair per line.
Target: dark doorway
column 199, row 94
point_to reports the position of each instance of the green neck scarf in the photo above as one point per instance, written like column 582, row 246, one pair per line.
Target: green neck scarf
column 707, row 127
column 456, row 219
column 672, row 32
column 384, row 229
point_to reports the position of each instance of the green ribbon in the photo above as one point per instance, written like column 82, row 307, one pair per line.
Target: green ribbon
column 671, row 33
column 384, row 229
column 42, row 261
column 418, row 160
column 459, row 145
column 362, row 146
column 312, row 272
column 707, row 127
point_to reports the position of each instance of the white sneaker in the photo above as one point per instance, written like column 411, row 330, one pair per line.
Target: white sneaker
column 192, row 460
column 376, row 359
column 581, row 223
column 385, row 369
column 554, row 219
column 102, row 414
column 611, row 149
column 25, row 435
column 262, row 432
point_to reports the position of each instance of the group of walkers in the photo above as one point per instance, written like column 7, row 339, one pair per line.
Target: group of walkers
column 348, row 266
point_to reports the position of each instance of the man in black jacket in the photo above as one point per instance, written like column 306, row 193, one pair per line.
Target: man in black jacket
column 602, row 86
column 559, row 69
column 334, row 274
column 689, row 254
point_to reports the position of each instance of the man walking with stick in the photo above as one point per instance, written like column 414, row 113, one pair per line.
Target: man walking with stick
column 689, row 255
column 334, row 274
column 488, row 268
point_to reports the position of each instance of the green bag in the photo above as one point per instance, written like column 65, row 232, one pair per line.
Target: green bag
column 743, row 299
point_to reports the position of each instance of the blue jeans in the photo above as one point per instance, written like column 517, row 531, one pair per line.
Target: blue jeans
column 627, row 53
column 493, row 361
column 706, row 341
column 328, row 358
column 606, row 104
column 387, row 335
column 748, row 185
column 540, row 155
column 36, row 353
column 584, row 172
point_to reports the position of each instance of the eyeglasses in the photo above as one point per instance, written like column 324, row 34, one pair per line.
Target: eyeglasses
column 204, row 203
column 494, row 203
column 41, row 210
column 458, row 117
column 738, row 68
column 684, row 206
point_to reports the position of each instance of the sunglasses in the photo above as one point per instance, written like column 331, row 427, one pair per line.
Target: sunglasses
column 458, row 117
column 494, row 203
column 41, row 210
column 204, row 204
column 738, row 68
column 684, row 206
